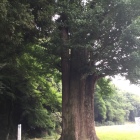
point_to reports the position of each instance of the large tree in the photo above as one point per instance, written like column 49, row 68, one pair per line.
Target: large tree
column 27, row 89
column 95, row 39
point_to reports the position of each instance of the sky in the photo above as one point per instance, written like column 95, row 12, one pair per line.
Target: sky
column 125, row 85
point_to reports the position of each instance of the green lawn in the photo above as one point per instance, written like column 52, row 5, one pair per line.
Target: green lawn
column 118, row 132
column 122, row 132
column 56, row 137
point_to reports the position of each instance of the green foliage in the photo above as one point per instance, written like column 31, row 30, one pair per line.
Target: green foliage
column 100, row 108
column 31, row 91
column 29, row 84
column 114, row 105
column 104, row 35
column 107, row 31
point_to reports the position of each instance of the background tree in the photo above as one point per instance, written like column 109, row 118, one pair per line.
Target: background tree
column 134, row 111
column 104, row 90
column 29, row 85
column 113, row 106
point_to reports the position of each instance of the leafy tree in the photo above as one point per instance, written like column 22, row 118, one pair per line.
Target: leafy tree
column 100, row 108
column 104, row 90
column 95, row 39
column 15, row 19
column 134, row 111
column 29, row 95
column 109, row 103
column 114, row 106
column 28, row 89
column 43, row 95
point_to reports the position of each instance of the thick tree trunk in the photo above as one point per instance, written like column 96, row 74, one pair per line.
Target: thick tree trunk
column 77, row 95
column 78, row 109
column 77, row 102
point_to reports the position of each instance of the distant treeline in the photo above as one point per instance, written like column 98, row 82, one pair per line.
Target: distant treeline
column 115, row 107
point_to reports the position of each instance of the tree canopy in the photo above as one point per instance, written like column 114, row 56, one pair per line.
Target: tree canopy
column 29, row 86
column 85, row 41
column 108, row 30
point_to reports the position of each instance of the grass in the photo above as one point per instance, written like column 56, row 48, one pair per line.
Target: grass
column 117, row 132
column 54, row 137
column 122, row 132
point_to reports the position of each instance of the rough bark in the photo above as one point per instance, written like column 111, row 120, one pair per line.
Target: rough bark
column 78, row 109
column 77, row 95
